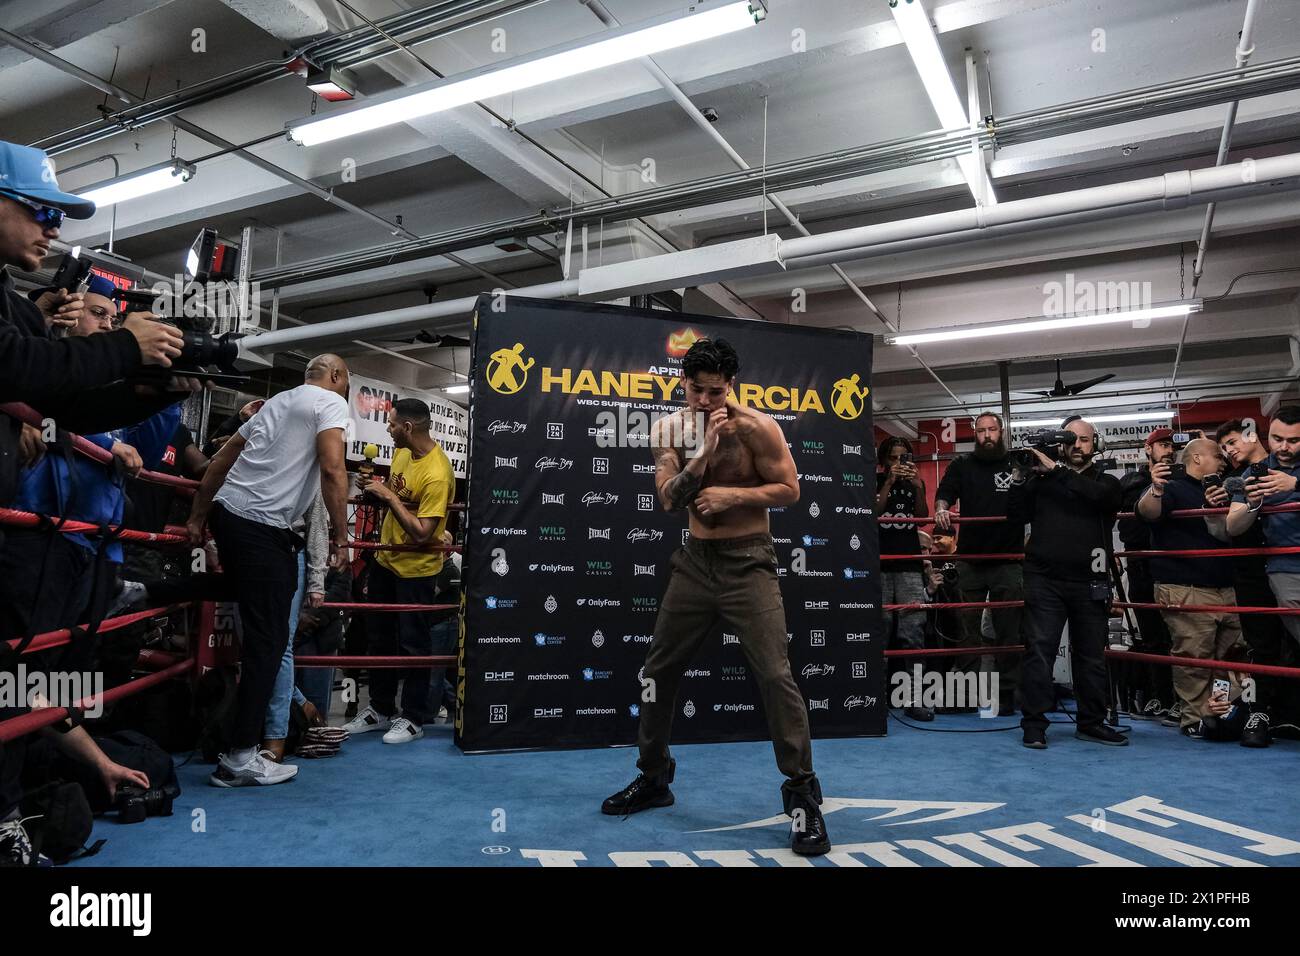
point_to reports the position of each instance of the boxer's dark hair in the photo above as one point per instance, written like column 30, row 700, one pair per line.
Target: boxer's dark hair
column 711, row 355
column 412, row 410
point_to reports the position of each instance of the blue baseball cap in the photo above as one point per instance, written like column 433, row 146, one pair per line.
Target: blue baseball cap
column 101, row 286
column 29, row 172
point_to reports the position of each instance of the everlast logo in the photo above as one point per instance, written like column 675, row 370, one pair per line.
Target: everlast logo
column 643, row 569
column 593, row 533
column 853, row 449
column 820, row 704
column 507, row 462
column 553, row 499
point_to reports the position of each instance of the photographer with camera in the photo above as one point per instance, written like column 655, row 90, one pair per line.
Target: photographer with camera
column 1273, row 481
column 1070, row 505
column 1152, row 681
column 1246, row 452
column 982, row 482
column 900, row 493
column 51, row 580
column 67, row 379
column 1193, row 580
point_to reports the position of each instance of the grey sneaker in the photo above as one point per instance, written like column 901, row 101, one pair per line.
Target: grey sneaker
column 257, row 772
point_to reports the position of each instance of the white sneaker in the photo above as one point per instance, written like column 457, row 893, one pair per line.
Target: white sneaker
column 133, row 592
column 257, row 772
column 403, row 732
column 369, row 719
column 443, row 717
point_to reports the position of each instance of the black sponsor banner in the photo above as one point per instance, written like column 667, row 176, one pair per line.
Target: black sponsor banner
column 568, row 553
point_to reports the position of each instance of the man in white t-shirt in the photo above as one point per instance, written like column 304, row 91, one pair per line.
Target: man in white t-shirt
column 256, row 487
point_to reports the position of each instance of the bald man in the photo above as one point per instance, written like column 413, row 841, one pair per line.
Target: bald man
column 1181, row 580
column 256, row 488
column 1070, row 505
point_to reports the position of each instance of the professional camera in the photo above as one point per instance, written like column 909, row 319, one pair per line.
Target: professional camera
column 133, row 804
column 200, row 350
column 1046, row 440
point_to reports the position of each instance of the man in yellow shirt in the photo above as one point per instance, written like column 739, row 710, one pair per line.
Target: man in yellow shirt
column 419, row 488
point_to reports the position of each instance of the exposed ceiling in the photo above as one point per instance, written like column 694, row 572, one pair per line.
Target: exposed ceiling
column 817, row 76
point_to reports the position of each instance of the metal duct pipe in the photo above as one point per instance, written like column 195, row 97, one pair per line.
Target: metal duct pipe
column 394, row 322
column 1245, row 47
column 1173, row 190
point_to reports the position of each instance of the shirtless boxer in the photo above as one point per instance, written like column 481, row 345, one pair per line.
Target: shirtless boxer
column 726, row 479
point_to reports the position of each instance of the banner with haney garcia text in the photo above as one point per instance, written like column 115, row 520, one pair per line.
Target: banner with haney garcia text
column 369, row 402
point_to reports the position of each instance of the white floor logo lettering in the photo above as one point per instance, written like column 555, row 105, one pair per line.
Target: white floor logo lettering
column 1080, row 839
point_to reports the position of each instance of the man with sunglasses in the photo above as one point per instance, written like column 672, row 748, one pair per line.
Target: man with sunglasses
column 71, row 379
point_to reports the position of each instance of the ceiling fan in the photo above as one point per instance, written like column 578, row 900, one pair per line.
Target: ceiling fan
column 1061, row 390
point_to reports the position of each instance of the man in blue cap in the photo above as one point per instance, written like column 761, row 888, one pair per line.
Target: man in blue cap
column 51, row 581
column 77, row 381
column 70, row 379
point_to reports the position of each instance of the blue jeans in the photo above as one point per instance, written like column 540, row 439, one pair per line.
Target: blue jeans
column 315, row 683
column 284, row 692
column 442, row 693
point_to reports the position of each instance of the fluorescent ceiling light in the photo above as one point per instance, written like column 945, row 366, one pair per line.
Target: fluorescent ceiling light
column 1048, row 325
column 456, row 389
column 557, row 63
column 1099, row 419
column 921, row 43
column 142, row 182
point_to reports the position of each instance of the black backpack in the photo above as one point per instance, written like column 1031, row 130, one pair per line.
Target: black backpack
column 60, row 822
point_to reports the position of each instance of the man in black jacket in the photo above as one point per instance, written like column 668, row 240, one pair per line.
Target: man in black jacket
column 1152, row 681
column 982, row 483
column 1070, row 506
column 70, row 379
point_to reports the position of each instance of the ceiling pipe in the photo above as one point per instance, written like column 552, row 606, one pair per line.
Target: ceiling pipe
column 1245, row 47
column 1159, row 390
column 194, row 130
column 352, row 48
column 1173, row 190
column 598, row 10
column 806, row 171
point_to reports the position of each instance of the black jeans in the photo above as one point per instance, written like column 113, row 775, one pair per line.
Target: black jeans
column 261, row 566
column 404, row 633
column 1049, row 603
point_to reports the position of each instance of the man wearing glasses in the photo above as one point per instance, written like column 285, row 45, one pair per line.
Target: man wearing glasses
column 68, row 379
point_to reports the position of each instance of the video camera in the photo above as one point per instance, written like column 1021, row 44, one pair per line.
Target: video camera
column 200, row 350
column 1046, row 440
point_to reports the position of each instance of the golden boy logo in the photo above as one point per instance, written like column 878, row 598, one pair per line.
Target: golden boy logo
column 507, row 372
column 847, row 397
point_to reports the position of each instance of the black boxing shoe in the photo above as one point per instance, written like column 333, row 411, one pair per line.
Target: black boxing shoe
column 808, row 835
column 643, row 793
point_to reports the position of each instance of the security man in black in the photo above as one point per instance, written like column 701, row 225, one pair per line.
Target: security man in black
column 1070, row 506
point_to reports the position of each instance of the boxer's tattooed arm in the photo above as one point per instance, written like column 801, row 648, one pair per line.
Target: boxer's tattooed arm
column 681, row 490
